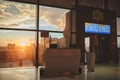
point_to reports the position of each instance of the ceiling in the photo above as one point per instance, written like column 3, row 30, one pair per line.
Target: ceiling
column 113, row 5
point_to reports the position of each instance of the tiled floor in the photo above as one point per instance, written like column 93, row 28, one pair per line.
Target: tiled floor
column 102, row 72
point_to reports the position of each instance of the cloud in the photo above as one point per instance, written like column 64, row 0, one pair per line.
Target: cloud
column 12, row 9
column 12, row 13
column 54, row 16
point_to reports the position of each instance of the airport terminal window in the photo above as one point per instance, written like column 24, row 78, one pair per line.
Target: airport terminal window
column 18, row 31
column 17, row 47
column 17, row 15
column 17, row 40
column 51, row 40
column 52, row 19
column 58, row 39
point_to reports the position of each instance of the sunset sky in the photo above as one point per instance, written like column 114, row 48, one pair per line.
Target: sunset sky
column 19, row 15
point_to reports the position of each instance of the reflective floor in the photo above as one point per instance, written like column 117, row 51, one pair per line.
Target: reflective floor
column 102, row 72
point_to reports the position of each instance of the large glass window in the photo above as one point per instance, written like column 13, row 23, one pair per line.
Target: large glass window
column 18, row 36
column 17, row 48
column 52, row 19
column 51, row 40
column 17, row 15
column 17, row 42
column 53, row 22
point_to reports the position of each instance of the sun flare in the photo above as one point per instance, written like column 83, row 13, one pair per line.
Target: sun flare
column 23, row 43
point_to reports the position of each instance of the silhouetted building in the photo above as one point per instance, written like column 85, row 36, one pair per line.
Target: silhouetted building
column 11, row 46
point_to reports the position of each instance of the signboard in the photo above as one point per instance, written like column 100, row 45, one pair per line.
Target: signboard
column 97, row 15
column 44, row 34
column 97, row 28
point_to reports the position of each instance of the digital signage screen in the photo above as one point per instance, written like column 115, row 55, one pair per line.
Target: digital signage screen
column 97, row 28
column 104, row 29
column 91, row 28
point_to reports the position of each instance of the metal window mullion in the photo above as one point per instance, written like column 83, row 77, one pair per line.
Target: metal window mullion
column 37, row 40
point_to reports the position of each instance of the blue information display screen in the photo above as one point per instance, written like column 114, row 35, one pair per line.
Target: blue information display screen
column 105, row 29
column 97, row 28
column 91, row 28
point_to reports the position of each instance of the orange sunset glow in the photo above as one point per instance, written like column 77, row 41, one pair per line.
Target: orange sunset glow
column 23, row 43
